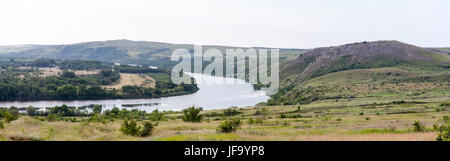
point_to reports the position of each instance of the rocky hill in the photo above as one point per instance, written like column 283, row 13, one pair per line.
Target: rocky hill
column 366, row 69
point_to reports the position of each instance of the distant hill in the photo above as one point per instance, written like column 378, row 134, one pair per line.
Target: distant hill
column 123, row 51
column 318, row 73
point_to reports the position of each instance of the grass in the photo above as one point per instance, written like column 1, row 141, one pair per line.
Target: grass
column 362, row 104
column 322, row 121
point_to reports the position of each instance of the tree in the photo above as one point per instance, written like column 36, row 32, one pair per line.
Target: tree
column 68, row 74
column 31, row 111
column 68, row 92
column 96, row 109
column 63, row 110
column 192, row 114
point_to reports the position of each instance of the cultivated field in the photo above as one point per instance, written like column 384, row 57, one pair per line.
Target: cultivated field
column 133, row 80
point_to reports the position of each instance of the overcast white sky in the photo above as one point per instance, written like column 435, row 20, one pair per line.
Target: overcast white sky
column 268, row 23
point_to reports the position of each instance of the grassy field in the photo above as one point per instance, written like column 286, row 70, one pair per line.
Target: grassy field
column 381, row 119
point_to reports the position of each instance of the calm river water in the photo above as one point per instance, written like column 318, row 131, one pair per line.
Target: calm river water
column 213, row 94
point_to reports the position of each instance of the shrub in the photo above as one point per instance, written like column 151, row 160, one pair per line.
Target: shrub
column 262, row 111
column 9, row 114
column 131, row 127
column 259, row 120
column 444, row 133
column 445, row 104
column 229, row 126
column 96, row 109
column 148, row 129
column 289, row 116
column 398, row 102
column 31, row 111
column 1, row 125
column 443, row 130
column 53, row 117
column 157, row 116
column 212, row 114
column 250, row 121
column 192, row 114
column 231, row 112
column 98, row 118
column 418, row 127
column 63, row 110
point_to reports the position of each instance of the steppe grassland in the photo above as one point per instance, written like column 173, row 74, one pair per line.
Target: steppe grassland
column 322, row 120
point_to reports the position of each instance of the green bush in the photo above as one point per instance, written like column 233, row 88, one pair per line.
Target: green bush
column 54, row 117
column 192, row 114
column 124, row 113
column 98, row 118
column 443, row 130
column 157, row 116
column 63, row 110
column 96, row 109
column 250, row 121
column 289, row 116
column 1, row 125
column 445, row 104
column 131, row 127
column 231, row 112
column 262, row 111
column 229, row 126
column 148, row 129
column 259, row 120
column 9, row 114
column 418, row 127
column 31, row 111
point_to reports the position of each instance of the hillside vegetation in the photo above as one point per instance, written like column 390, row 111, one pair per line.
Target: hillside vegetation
column 123, row 51
column 367, row 69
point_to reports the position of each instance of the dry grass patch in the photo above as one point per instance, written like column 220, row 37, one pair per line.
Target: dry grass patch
column 133, row 80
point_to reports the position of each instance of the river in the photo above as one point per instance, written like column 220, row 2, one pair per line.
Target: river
column 213, row 94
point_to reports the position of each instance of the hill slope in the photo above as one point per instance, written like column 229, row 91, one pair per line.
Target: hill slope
column 123, row 51
column 361, row 70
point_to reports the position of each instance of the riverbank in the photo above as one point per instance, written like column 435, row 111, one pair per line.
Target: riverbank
column 209, row 96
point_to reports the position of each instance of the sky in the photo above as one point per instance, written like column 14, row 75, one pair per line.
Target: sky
column 244, row 23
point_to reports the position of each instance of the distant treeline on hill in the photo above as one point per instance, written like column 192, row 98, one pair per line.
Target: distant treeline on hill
column 62, row 64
